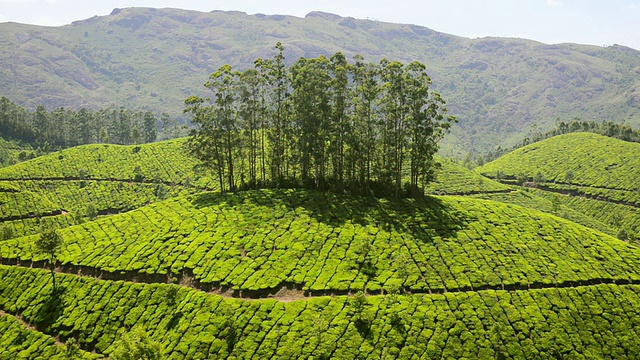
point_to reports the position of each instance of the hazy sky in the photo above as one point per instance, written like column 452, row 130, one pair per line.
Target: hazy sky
column 596, row 22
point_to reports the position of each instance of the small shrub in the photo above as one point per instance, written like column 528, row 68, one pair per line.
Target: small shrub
column 136, row 345
column 91, row 212
column 6, row 233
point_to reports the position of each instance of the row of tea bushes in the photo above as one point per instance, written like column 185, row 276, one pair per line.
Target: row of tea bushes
column 20, row 342
column 597, row 321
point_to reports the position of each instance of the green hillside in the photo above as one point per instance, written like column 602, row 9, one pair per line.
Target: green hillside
column 63, row 187
column 115, row 178
column 18, row 340
column 600, row 175
column 543, row 201
column 597, row 321
column 266, row 240
column 155, row 58
column 454, row 179
column 482, row 270
column 589, row 163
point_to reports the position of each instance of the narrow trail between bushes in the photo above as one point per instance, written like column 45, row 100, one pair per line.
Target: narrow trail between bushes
column 31, row 327
column 33, row 216
column 287, row 292
column 577, row 193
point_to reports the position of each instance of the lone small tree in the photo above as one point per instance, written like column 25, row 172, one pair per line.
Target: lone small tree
column 135, row 345
column 49, row 244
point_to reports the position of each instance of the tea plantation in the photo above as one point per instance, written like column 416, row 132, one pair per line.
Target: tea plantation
column 110, row 179
column 313, row 241
column 17, row 341
column 598, row 321
column 480, row 270
column 586, row 163
column 591, row 174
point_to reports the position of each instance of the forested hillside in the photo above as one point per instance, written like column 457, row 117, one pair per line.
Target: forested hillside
column 153, row 59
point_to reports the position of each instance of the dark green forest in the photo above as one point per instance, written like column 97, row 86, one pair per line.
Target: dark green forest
column 66, row 128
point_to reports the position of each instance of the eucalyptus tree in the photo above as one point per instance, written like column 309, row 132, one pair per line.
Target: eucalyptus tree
column 274, row 72
column 224, row 84
column 366, row 91
column 204, row 142
column 311, row 81
column 149, row 127
column 427, row 124
column 394, row 105
column 339, row 128
column 250, row 114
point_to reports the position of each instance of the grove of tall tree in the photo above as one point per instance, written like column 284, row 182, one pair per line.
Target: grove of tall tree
column 321, row 123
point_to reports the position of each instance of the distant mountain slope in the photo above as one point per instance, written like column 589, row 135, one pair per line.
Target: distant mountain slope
column 155, row 58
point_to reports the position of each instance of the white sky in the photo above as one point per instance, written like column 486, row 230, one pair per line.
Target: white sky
column 595, row 22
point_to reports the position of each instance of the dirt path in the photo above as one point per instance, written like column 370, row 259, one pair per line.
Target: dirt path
column 292, row 292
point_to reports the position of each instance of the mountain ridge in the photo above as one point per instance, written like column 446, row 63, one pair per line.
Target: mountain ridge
column 154, row 58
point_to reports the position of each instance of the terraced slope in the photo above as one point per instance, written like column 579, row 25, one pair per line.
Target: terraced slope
column 164, row 161
column 19, row 341
column 113, row 179
column 598, row 321
column 543, row 201
column 589, row 164
column 260, row 242
column 454, row 179
column 600, row 175
column 107, row 178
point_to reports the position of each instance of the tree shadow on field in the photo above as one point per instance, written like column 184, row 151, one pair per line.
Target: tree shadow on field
column 52, row 308
column 424, row 218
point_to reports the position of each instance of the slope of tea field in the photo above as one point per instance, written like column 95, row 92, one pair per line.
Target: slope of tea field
column 71, row 184
column 19, row 341
column 597, row 321
column 454, row 179
column 259, row 242
column 600, row 175
column 111, row 178
column 543, row 201
column 590, row 163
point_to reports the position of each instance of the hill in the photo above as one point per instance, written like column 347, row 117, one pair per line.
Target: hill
column 263, row 241
column 587, row 163
column 585, row 321
column 75, row 184
column 597, row 172
column 273, row 274
column 85, row 181
column 155, row 58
